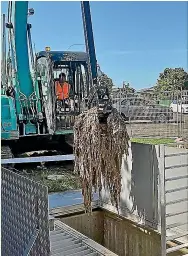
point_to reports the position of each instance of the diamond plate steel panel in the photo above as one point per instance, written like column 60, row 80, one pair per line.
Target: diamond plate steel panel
column 24, row 210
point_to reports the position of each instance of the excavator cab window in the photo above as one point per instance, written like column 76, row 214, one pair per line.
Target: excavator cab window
column 76, row 77
column 60, row 91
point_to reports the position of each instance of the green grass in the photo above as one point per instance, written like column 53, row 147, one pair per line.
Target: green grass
column 68, row 181
column 153, row 141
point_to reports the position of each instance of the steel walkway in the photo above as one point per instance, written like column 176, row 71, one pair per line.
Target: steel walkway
column 63, row 244
column 65, row 241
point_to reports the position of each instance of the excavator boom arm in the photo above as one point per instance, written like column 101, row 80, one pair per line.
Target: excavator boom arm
column 99, row 95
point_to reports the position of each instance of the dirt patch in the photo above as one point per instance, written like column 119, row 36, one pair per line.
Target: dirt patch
column 58, row 178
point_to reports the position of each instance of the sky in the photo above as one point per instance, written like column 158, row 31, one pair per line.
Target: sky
column 135, row 41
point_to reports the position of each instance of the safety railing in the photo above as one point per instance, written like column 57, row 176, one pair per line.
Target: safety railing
column 173, row 185
column 37, row 159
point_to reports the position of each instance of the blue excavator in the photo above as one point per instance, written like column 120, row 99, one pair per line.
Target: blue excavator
column 31, row 117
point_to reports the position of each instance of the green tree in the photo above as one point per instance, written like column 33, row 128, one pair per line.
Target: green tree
column 172, row 79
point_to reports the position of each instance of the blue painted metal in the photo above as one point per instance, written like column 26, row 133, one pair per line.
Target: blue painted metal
column 3, row 52
column 19, row 18
column 63, row 55
column 9, row 129
column 24, row 77
column 89, row 39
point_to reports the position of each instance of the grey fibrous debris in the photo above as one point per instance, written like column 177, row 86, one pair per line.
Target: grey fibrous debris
column 98, row 150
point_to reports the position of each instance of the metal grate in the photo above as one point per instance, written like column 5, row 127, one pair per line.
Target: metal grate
column 24, row 213
column 63, row 243
column 173, row 199
column 66, row 241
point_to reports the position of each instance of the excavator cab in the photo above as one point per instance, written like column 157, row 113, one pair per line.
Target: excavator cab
column 50, row 64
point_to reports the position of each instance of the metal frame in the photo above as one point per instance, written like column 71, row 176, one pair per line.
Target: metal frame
column 167, row 232
column 37, row 159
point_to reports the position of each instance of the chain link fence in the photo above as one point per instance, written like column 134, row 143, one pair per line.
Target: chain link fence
column 151, row 114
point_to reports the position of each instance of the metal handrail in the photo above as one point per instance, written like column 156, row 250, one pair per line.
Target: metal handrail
column 38, row 159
